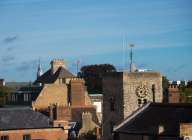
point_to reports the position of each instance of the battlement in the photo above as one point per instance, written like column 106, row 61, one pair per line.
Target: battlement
column 173, row 86
column 57, row 60
column 86, row 115
column 73, row 80
column 58, row 105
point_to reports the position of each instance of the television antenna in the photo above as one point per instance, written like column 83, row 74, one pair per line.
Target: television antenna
column 131, row 56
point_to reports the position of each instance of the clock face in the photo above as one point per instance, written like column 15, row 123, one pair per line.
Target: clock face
column 142, row 91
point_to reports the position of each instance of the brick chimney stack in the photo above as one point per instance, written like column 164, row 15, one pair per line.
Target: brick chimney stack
column 57, row 63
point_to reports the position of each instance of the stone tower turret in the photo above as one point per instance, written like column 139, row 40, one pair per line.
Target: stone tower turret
column 56, row 63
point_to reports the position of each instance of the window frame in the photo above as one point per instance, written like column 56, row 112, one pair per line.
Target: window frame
column 27, row 137
column 5, row 137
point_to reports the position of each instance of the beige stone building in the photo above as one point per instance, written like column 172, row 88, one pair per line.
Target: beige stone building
column 60, row 87
column 58, row 94
column 124, row 93
column 64, row 96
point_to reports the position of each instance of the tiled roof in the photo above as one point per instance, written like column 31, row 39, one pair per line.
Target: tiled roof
column 48, row 77
column 148, row 119
column 63, row 73
column 22, row 117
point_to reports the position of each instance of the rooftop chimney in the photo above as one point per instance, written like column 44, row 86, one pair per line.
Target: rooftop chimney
column 57, row 63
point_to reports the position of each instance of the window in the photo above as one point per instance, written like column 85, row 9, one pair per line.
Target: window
column 26, row 97
column 4, row 137
column 144, row 101
column 26, row 137
column 13, row 98
column 139, row 102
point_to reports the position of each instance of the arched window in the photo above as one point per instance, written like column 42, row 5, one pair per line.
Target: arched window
column 139, row 102
column 144, row 101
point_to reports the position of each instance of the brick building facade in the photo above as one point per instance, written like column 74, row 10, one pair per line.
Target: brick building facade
column 23, row 123
column 34, row 134
column 174, row 94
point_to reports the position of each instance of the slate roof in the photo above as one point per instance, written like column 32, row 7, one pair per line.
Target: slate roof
column 149, row 118
column 22, row 117
column 48, row 77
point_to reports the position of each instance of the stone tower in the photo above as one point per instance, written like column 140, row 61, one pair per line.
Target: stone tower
column 56, row 63
column 124, row 93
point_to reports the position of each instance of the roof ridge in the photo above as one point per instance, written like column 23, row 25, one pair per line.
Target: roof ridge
column 62, row 69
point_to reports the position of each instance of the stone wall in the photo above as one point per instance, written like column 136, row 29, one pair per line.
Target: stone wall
column 87, row 123
column 186, row 129
column 51, row 94
column 131, row 81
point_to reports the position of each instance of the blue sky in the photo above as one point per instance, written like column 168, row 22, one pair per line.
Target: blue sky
column 95, row 31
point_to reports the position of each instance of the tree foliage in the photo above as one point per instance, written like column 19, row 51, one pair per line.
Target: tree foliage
column 165, row 85
column 186, row 94
column 4, row 91
column 93, row 76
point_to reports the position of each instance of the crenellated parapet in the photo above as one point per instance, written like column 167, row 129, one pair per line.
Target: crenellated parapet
column 77, row 80
column 173, row 86
column 86, row 115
